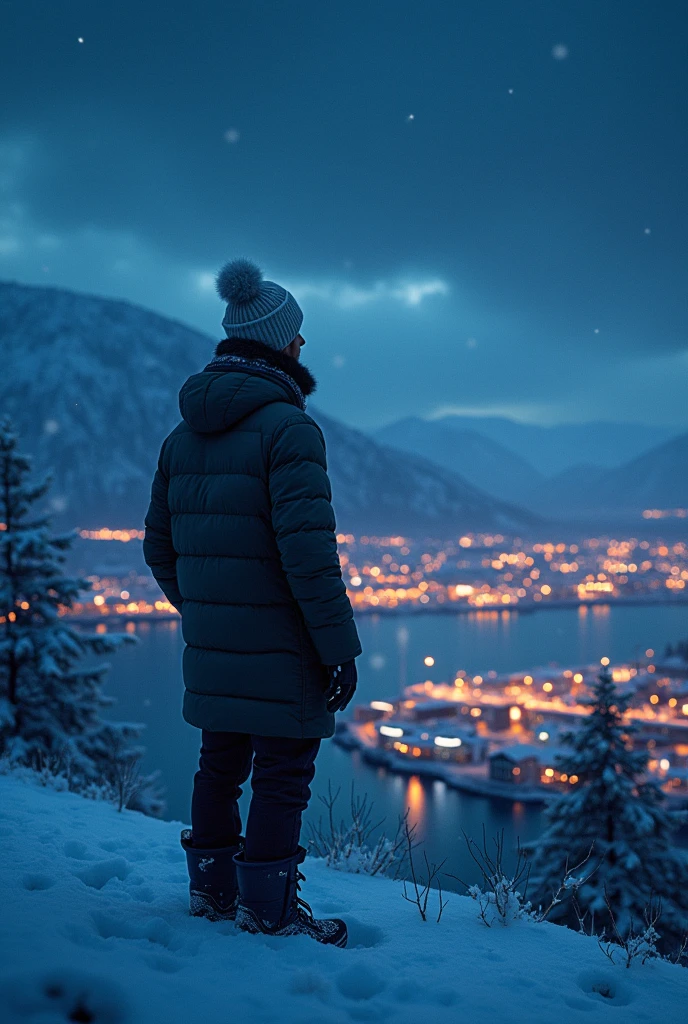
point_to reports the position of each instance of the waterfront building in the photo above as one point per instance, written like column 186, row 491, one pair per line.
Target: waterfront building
column 519, row 764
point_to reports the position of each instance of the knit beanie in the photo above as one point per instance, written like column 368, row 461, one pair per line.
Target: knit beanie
column 257, row 309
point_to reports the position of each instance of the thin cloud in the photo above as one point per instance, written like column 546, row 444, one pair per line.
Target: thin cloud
column 349, row 296
column 344, row 295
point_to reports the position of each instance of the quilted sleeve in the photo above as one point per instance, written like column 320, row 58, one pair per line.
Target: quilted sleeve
column 158, row 550
column 304, row 525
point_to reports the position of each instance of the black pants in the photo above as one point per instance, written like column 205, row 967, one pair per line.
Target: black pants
column 283, row 770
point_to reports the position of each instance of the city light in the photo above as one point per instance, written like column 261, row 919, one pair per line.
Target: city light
column 492, row 574
column 391, row 730
column 381, row 705
column 447, row 741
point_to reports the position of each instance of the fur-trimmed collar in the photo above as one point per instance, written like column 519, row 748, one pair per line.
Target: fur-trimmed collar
column 249, row 350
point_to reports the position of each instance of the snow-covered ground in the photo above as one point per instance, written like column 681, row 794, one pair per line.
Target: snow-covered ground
column 94, row 928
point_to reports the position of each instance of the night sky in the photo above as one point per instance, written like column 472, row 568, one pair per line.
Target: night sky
column 481, row 206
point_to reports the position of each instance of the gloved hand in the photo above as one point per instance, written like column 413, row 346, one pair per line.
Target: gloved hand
column 343, row 679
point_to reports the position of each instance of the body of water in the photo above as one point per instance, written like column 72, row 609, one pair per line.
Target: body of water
column 146, row 680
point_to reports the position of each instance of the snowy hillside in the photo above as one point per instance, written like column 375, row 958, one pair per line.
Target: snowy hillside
column 95, row 927
column 92, row 385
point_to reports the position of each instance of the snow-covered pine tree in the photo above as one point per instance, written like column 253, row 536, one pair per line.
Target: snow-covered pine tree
column 616, row 807
column 50, row 705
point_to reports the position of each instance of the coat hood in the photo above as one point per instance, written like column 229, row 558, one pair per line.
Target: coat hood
column 214, row 400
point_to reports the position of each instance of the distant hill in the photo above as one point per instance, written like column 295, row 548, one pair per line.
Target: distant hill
column 385, row 488
column 485, row 463
column 565, row 493
column 92, row 386
column 549, row 450
column 657, row 479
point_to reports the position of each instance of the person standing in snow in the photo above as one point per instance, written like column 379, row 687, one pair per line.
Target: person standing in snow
column 240, row 536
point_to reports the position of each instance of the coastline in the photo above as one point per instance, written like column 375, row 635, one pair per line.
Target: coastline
column 465, row 779
column 455, row 609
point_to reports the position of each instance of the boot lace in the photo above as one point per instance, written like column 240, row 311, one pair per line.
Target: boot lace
column 301, row 903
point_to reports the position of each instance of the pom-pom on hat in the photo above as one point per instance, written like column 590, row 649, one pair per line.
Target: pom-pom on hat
column 257, row 309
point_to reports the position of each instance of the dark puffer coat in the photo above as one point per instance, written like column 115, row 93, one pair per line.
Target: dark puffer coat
column 240, row 535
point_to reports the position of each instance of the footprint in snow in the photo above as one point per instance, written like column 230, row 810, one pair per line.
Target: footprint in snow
column 62, row 995
column 153, row 929
column 605, row 987
column 77, row 850
column 360, row 982
column 132, row 850
column 35, row 881
column 101, row 872
column 309, row 983
column 163, row 964
column 362, row 935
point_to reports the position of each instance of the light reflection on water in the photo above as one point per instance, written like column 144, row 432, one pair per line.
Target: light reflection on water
column 146, row 680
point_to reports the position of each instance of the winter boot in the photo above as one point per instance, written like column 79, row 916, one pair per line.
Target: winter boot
column 269, row 903
column 212, row 880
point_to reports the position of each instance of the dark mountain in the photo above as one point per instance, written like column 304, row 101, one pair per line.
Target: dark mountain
column 92, row 386
column 656, row 480
column 565, row 493
column 485, row 463
column 553, row 449
column 388, row 490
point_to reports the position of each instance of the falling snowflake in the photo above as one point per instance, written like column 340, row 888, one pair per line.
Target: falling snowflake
column 231, row 135
column 511, row 92
column 647, row 231
column 378, row 661
column 338, row 362
column 51, row 427
column 560, row 52
column 597, row 330
column 411, row 117
column 471, row 343
column 80, row 39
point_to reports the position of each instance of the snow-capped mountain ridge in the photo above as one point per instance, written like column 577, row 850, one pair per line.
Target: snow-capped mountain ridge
column 92, row 387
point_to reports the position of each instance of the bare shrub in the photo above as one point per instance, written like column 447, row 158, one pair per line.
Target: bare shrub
column 639, row 944
column 420, row 890
column 499, row 898
column 349, row 846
